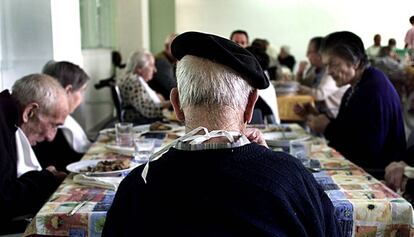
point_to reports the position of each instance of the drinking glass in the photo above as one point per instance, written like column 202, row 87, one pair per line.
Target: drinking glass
column 301, row 150
column 124, row 134
column 144, row 148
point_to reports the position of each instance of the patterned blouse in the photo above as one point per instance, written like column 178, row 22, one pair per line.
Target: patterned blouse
column 141, row 100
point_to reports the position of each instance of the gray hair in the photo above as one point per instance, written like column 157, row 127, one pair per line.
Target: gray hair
column 285, row 48
column 347, row 46
column 203, row 82
column 38, row 88
column 66, row 73
column 138, row 59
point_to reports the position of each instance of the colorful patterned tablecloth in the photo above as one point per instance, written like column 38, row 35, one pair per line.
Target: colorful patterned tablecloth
column 53, row 219
column 364, row 206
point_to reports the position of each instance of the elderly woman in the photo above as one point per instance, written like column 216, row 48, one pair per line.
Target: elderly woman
column 369, row 128
column 285, row 58
column 318, row 83
column 143, row 105
column 70, row 142
column 225, row 182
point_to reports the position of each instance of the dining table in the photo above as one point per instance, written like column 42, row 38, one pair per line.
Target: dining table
column 364, row 206
column 286, row 103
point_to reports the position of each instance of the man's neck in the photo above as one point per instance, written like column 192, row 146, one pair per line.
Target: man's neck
column 203, row 117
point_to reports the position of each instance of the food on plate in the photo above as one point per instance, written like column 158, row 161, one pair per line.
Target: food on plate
column 278, row 129
column 158, row 126
column 108, row 165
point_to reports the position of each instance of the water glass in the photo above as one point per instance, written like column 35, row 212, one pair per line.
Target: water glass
column 124, row 135
column 144, row 148
column 301, row 149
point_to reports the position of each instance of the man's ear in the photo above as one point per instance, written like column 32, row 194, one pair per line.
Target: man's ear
column 251, row 101
column 68, row 89
column 29, row 111
column 175, row 101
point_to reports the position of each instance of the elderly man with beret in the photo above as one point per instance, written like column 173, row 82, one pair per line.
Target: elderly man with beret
column 30, row 114
column 219, row 179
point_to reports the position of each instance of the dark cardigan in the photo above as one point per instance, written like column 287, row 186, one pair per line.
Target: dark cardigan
column 244, row 191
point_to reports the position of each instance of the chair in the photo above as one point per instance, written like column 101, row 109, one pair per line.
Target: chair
column 117, row 99
column 116, row 96
column 257, row 117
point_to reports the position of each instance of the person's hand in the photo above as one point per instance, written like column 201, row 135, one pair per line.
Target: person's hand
column 254, row 135
column 302, row 66
column 300, row 110
column 317, row 123
column 305, row 109
column 59, row 175
column 394, row 175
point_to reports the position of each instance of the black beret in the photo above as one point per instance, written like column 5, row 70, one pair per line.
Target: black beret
column 223, row 51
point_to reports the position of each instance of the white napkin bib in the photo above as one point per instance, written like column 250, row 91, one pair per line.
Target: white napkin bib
column 409, row 172
column 195, row 139
column 75, row 135
column 26, row 158
column 150, row 91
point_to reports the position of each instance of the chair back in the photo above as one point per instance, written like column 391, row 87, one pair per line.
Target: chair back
column 117, row 99
column 257, row 117
column 116, row 96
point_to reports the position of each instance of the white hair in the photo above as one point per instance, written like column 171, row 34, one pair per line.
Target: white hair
column 285, row 48
column 39, row 88
column 138, row 60
column 204, row 82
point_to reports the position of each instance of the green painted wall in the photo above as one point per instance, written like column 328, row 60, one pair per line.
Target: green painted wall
column 162, row 22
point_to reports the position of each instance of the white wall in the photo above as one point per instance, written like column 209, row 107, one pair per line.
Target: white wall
column 97, row 106
column 26, row 38
column 294, row 22
column 66, row 31
column 34, row 32
column 132, row 23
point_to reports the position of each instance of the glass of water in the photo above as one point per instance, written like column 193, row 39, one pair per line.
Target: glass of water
column 144, row 148
column 123, row 132
column 301, row 149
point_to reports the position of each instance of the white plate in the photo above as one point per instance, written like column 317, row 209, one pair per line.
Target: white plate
column 137, row 129
column 143, row 128
column 174, row 127
column 277, row 139
column 77, row 167
column 127, row 151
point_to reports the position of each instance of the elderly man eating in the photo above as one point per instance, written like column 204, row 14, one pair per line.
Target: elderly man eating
column 30, row 114
column 220, row 179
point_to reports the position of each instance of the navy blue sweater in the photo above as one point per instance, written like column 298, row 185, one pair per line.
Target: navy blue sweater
column 244, row 191
column 369, row 131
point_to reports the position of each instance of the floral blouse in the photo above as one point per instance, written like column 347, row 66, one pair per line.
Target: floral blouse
column 140, row 98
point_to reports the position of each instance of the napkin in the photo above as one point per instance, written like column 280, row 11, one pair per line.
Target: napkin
column 409, row 172
column 111, row 183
